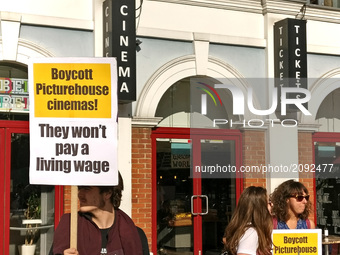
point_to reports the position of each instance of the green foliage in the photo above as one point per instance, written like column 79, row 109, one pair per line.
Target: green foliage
column 33, row 211
column 33, row 207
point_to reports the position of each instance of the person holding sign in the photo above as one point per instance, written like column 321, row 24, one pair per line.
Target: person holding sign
column 102, row 227
column 250, row 228
column 291, row 206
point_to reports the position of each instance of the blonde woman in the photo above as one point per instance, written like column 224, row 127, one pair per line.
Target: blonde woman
column 250, row 228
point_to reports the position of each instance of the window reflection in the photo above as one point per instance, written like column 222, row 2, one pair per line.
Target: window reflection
column 329, row 3
column 327, row 189
column 31, row 206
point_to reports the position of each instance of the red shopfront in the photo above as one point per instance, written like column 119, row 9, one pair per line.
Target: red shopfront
column 193, row 207
column 45, row 203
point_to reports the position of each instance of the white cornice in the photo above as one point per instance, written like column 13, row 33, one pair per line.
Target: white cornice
column 284, row 7
column 145, row 122
column 322, row 13
column 240, row 5
column 293, row 8
column 310, row 128
column 189, row 36
column 31, row 19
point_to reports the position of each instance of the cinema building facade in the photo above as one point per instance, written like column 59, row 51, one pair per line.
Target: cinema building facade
column 182, row 140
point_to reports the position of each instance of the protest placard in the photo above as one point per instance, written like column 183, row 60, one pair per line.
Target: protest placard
column 73, row 121
column 297, row 241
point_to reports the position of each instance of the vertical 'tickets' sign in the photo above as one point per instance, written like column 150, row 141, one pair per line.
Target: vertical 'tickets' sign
column 119, row 41
column 290, row 57
column 73, row 121
column 290, row 53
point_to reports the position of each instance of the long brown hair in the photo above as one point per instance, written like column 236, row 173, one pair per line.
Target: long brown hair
column 251, row 211
column 283, row 192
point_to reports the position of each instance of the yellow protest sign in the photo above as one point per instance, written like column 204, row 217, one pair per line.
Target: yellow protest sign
column 72, row 90
column 297, row 241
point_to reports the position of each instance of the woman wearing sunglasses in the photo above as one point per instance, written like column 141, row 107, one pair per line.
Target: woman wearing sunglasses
column 291, row 206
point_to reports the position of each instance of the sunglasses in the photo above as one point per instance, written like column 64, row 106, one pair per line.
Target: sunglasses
column 299, row 198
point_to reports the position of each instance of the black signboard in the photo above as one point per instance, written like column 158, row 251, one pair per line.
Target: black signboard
column 290, row 55
column 290, row 52
column 119, row 32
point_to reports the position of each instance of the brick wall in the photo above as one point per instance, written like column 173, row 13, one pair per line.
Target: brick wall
column 141, row 179
column 254, row 155
column 306, row 157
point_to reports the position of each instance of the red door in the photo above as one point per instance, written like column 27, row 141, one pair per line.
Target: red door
column 194, row 195
column 30, row 212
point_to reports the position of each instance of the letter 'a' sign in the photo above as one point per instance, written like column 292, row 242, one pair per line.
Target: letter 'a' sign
column 73, row 121
column 119, row 32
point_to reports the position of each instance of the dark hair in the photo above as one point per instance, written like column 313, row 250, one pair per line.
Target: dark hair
column 283, row 192
column 251, row 211
column 116, row 191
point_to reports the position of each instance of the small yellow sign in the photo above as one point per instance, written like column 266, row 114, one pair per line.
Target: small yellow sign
column 72, row 90
column 296, row 242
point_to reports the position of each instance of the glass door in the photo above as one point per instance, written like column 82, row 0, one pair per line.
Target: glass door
column 218, row 175
column 327, row 181
column 193, row 202
column 29, row 211
column 174, row 191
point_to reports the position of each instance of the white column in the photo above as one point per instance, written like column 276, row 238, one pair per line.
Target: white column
column 124, row 161
column 98, row 27
column 283, row 151
column 10, row 37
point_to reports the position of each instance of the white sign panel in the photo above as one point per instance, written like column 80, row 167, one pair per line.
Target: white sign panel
column 73, row 121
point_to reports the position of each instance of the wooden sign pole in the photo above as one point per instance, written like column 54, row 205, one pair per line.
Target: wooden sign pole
column 74, row 216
